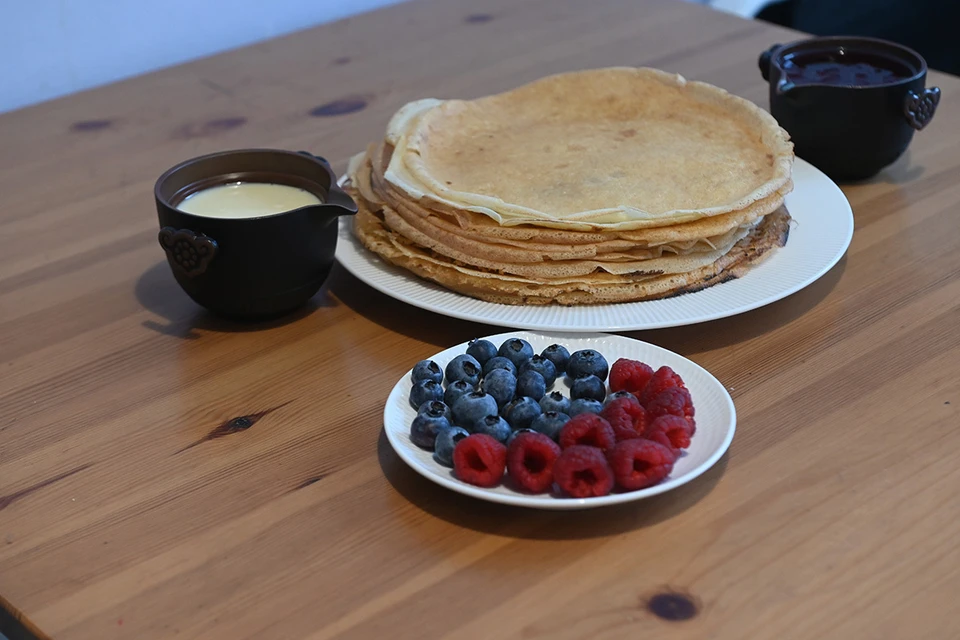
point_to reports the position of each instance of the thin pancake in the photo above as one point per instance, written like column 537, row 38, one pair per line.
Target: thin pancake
column 772, row 232
column 547, row 268
column 641, row 148
column 430, row 230
column 366, row 174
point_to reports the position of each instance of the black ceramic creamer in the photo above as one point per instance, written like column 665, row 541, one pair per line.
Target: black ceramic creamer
column 251, row 267
column 850, row 105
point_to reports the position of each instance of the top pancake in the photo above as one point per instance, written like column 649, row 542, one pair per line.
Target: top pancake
column 366, row 173
column 617, row 148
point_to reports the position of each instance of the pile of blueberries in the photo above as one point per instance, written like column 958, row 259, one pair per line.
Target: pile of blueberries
column 502, row 392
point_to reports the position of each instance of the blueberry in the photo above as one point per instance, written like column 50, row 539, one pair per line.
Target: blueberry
column 584, row 405
column 521, row 412
column 516, row 351
column 590, row 387
column 499, row 362
column 558, row 355
column 516, row 433
column 587, row 362
column 555, row 401
column 550, row 423
column 424, row 391
column 501, row 384
column 455, row 390
column 427, row 370
column 423, row 431
column 619, row 394
column 435, row 409
column 471, row 407
column 481, row 350
column 447, row 439
column 542, row 366
column 465, row 368
column 495, row 427
column 531, row 384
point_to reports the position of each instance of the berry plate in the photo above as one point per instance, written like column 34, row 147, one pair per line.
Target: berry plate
column 716, row 421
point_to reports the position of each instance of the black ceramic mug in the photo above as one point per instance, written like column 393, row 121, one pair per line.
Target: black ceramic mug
column 850, row 105
column 253, row 267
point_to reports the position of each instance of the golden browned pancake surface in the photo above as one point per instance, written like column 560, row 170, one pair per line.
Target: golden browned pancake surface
column 624, row 147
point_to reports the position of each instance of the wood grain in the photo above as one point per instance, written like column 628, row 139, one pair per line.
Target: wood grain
column 835, row 515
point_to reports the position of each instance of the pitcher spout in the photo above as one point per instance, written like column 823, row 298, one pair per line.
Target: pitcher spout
column 336, row 197
column 340, row 199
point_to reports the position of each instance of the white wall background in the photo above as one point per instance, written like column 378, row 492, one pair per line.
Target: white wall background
column 49, row 48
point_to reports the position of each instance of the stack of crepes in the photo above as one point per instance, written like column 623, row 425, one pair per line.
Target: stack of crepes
column 601, row 186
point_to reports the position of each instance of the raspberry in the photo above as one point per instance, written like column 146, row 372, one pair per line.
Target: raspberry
column 530, row 459
column 661, row 437
column 664, row 378
column 627, row 417
column 583, row 471
column 674, row 401
column 587, row 429
column 640, row 463
column 629, row 375
column 479, row 460
column 676, row 428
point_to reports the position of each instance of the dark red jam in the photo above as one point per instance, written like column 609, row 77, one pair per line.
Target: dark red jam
column 844, row 68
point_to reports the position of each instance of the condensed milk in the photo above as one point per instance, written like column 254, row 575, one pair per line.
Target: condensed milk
column 246, row 200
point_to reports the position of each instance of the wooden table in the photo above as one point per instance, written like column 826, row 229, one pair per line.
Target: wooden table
column 836, row 513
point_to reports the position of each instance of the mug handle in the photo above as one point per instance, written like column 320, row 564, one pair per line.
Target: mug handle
column 764, row 61
column 190, row 252
column 919, row 108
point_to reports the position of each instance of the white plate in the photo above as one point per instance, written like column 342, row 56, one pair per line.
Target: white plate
column 716, row 420
column 818, row 239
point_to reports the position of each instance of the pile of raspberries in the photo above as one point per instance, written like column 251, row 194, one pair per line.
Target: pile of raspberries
column 632, row 444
